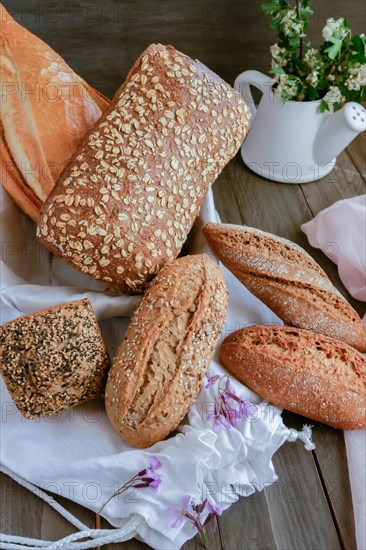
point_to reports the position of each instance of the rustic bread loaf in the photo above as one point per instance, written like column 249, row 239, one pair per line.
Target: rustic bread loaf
column 53, row 359
column 307, row 373
column 157, row 372
column 45, row 111
column 125, row 203
column 287, row 280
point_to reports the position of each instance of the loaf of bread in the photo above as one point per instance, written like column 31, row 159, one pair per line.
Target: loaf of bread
column 46, row 109
column 287, row 280
column 304, row 372
column 53, row 359
column 157, row 372
column 125, row 203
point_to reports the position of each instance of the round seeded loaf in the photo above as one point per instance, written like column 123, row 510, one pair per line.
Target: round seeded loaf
column 53, row 359
column 157, row 372
column 304, row 372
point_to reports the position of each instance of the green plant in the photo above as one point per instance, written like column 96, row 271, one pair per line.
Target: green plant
column 334, row 73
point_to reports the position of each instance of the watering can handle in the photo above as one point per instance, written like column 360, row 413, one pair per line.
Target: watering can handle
column 252, row 78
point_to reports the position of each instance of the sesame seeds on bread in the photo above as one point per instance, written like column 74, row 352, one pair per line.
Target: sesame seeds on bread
column 287, row 280
column 53, row 359
column 307, row 373
column 125, row 203
column 158, row 369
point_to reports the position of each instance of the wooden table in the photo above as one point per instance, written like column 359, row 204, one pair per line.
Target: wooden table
column 310, row 507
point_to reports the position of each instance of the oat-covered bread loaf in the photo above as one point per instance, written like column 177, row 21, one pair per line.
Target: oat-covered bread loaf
column 53, row 359
column 307, row 373
column 125, row 203
column 157, row 372
column 288, row 280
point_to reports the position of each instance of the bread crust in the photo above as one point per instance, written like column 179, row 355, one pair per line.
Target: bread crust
column 53, row 359
column 287, row 280
column 304, row 372
column 126, row 201
column 157, row 372
column 46, row 109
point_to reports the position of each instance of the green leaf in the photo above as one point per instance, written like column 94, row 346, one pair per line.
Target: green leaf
column 335, row 49
column 357, row 44
column 358, row 57
column 323, row 106
column 276, row 70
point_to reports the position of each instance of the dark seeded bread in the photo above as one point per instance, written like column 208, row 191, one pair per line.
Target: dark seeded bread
column 125, row 203
column 287, row 280
column 53, row 359
column 157, row 372
column 304, row 372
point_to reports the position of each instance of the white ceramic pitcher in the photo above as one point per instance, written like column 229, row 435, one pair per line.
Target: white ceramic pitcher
column 294, row 142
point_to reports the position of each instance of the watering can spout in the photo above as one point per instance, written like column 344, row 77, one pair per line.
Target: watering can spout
column 337, row 131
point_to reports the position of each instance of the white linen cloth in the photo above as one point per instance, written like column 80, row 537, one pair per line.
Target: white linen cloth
column 77, row 454
column 340, row 232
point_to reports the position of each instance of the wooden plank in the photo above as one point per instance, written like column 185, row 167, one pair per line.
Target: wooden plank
column 247, row 524
column 55, row 527
column 298, row 506
column 21, row 513
column 357, row 152
column 332, row 458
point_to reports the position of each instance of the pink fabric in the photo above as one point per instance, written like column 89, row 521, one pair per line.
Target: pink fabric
column 340, row 232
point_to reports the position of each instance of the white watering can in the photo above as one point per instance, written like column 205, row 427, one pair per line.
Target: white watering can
column 294, row 142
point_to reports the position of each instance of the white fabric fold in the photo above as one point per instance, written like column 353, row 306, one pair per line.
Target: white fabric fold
column 78, row 455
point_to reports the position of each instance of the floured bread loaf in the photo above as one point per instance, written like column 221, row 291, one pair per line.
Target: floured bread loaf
column 158, row 369
column 301, row 371
column 45, row 111
column 125, row 203
column 287, row 280
column 53, row 359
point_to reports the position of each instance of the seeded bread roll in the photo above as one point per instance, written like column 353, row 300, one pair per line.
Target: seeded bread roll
column 157, row 372
column 287, row 280
column 53, row 359
column 125, row 203
column 304, row 372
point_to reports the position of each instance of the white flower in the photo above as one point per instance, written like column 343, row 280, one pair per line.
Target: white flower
column 290, row 25
column 357, row 78
column 278, row 56
column 313, row 78
column 285, row 86
column 333, row 96
column 333, row 27
column 331, row 77
column 311, row 57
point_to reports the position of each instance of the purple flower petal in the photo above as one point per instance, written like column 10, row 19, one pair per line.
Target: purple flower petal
column 215, row 509
column 211, row 380
column 186, row 501
column 154, row 463
column 178, row 517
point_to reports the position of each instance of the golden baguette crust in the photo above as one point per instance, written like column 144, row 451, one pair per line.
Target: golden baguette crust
column 287, row 280
column 53, row 359
column 304, row 372
column 157, row 372
column 125, row 203
column 46, row 109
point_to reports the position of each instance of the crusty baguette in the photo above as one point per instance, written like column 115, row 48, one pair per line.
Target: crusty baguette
column 46, row 109
column 287, row 280
column 53, row 359
column 126, row 202
column 304, row 372
column 157, row 372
